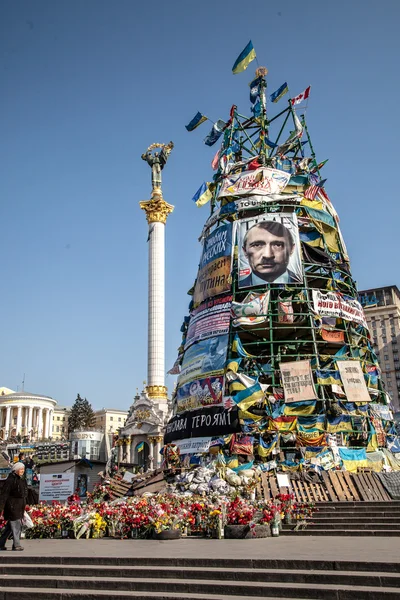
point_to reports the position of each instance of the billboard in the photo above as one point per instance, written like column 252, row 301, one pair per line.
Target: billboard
column 203, row 359
column 210, row 319
column 215, row 264
column 56, row 486
column 269, row 250
column 262, row 181
column 202, row 392
column 210, row 421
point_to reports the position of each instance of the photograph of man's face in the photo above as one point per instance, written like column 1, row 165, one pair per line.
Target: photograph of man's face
column 267, row 247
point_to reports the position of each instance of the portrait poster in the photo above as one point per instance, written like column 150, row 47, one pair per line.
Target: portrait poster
column 209, row 421
column 333, row 304
column 269, row 250
column 204, row 359
column 210, row 319
column 261, row 181
column 297, row 381
column 199, row 393
column 215, row 265
column 352, row 377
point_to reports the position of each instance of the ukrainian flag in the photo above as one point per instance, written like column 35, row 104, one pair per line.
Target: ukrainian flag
column 244, row 59
column 140, row 447
column 197, row 120
column 203, row 195
column 249, row 396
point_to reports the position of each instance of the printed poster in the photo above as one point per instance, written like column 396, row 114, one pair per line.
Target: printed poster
column 203, row 359
column 213, row 277
column 353, row 381
column 269, row 250
column 199, row 393
column 262, row 181
column 210, row 319
column 56, row 486
column 332, row 304
column 297, row 381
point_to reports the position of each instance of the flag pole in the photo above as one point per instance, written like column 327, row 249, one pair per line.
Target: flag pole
column 311, row 146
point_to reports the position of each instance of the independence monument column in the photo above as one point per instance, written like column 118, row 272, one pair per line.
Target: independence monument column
column 157, row 211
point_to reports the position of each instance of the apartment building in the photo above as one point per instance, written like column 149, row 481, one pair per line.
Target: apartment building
column 109, row 420
column 382, row 311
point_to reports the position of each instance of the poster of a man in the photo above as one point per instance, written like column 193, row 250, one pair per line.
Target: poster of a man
column 269, row 250
column 215, row 359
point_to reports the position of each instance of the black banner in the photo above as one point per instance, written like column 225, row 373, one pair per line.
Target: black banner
column 208, row 421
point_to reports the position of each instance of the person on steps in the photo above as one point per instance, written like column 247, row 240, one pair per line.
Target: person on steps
column 13, row 498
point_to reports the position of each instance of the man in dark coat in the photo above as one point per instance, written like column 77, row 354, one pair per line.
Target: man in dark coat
column 13, row 500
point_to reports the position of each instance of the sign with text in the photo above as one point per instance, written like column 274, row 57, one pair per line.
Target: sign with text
column 297, row 381
column 353, row 380
column 262, row 181
column 332, row 304
column 209, row 319
column 210, row 421
column 215, row 265
column 56, row 486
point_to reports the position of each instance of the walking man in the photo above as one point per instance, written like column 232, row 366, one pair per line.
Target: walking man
column 13, row 498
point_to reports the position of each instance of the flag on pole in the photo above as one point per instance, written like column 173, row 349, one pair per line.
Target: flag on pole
column 311, row 192
column 140, row 447
column 255, row 89
column 279, row 93
column 197, row 120
column 215, row 161
column 244, row 59
column 215, row 132
column 319, row 166
column 303, row 96
column 203, row 195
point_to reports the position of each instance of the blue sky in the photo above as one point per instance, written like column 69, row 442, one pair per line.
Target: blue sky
column 87, row 86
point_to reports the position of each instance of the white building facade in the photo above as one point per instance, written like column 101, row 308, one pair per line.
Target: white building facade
column 26, row 415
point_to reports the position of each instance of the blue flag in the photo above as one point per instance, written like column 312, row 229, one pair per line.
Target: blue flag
column 196, row 121
column 255, row 89
column 215, row 133
column 279, row 93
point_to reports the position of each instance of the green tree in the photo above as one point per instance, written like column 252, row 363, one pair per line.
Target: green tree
column 81, row 415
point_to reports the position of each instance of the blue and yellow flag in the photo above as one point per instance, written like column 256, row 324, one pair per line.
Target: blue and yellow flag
column 140, row 447
column 244, row 59
column 196, row 121
column 279, row 93
column 203, row 195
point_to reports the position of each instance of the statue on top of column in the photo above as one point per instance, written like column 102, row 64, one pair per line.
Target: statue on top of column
column 157, row 161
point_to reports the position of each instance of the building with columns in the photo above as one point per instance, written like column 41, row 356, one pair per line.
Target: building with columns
column 25, row 414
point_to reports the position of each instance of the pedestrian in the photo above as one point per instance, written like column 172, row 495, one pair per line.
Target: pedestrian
column 13, row 498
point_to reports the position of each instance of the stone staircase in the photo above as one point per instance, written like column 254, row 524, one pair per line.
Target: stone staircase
column 90, row 578
column 352, row 519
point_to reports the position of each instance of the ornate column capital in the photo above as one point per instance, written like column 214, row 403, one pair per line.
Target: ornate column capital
column 157, row 391
column 156, row 209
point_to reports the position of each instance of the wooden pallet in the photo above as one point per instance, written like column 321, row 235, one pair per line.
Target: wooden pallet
column 303, row 491
column 342, row 486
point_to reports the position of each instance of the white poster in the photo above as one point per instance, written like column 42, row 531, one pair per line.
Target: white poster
column 260, row 181
column 353, row 380
column 332, row 304
column 193, row 445
column 56, row 486
column 297, row 381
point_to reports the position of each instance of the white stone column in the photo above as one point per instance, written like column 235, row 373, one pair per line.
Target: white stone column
column 119, row 453
column 157, row 457
column 40, row 423
column 46, row 423
column 156, row 306
column 157, row 211
column 151, row 454
column 30, row 415
column 51, row 411
column 19, row 420
column 8, row 418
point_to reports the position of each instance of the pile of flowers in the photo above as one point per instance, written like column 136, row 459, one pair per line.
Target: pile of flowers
column 149, row 514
